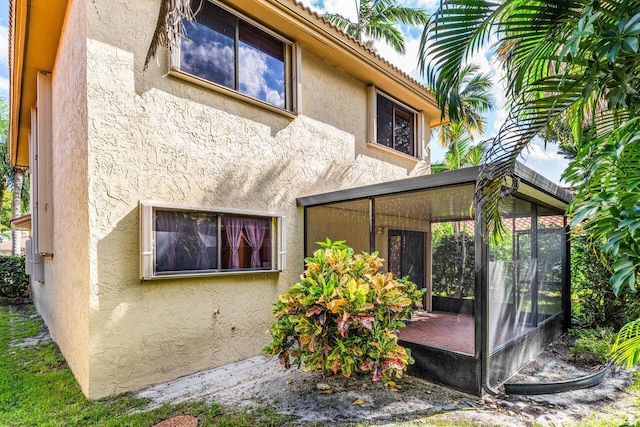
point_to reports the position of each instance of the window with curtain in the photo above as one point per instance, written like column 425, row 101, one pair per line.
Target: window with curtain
column 225, row 49
column 199, row 242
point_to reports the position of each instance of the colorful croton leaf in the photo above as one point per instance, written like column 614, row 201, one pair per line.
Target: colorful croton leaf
column 343, row 316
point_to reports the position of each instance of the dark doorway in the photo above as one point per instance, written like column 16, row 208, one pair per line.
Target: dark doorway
column 406, row 255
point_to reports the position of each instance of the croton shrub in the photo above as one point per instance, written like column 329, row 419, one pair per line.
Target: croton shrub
column 343, row 316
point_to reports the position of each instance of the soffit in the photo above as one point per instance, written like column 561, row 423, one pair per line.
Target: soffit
column 34, row 34
column 442, row 204
column 315, row 35
column 439, row 204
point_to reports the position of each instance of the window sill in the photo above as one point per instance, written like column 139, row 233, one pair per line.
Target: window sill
column 386, row 149
column 208, row 274
column 181, row 75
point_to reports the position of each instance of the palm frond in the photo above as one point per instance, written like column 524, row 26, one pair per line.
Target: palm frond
column 388, row 33
column 404, row 15
column 626, row 349
column 456, row 30
column 168, row 31
column 343, row 24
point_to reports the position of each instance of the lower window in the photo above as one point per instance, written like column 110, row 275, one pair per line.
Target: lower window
column 179, row 241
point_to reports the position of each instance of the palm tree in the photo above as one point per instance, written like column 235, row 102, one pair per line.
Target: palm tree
column 473, row 96
column 467, row 102
column 566, row 61
column 376, row 21
column 460, row 155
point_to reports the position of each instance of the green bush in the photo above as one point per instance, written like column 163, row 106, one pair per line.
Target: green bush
column 14, row 283
column 594, row 303
column 593, row 344
column 450, row 276
column 343, row 316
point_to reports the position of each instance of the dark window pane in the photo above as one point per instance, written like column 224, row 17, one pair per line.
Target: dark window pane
column 406, row 255
column 186, row 241
column 403, row 131
column 208, row 50
column 261, row 65
column 551, row 248
column 395, row 126
column 261, row 41
column 384, row 121
column 213, row 51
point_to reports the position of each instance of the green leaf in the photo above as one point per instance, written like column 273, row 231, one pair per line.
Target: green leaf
column 630, row 44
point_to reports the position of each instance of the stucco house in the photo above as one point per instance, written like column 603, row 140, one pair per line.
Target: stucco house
column 165, row 220
column 172, row 206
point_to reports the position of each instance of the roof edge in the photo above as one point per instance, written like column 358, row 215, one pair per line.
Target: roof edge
column 437, row 180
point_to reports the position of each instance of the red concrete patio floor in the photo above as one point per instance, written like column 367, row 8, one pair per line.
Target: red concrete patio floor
column 448, row 331
column 454, row 332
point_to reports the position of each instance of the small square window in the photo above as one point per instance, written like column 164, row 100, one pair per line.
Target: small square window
column 395, row 125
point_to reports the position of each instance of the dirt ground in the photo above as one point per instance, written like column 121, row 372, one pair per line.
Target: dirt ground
column 314, row 399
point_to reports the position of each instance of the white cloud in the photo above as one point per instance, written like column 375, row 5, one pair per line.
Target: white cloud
column 407, row 62
column 344, row 8
column 209, row 59
column 4, row 84
column 253, row 65
column 253, row 70
column 274, row 97
column 428, row 5
column 538, row 151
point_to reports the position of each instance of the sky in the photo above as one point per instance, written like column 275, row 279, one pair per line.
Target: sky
column 4, row 54
column 545, row 161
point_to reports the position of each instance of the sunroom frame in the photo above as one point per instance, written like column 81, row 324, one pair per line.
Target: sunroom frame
column 485, row 369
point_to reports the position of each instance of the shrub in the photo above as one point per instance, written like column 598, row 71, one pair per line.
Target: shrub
column 450, row 276
column 593, row 344
column 594, row 303
column 343, row 316
column 14, row 283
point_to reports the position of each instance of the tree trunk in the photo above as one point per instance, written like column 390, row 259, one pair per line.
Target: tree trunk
column 16, row 236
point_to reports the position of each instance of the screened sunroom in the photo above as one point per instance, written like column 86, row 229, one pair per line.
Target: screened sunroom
column 488, row 308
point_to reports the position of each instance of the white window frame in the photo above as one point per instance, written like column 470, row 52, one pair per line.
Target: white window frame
column 41, row 161
column 148, row 245
column 418, row 127
column 292, row 67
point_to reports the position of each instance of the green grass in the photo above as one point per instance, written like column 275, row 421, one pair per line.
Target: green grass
column 38, row 389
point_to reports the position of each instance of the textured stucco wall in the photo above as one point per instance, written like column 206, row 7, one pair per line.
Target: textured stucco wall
column 156, row 137
column 62, row 299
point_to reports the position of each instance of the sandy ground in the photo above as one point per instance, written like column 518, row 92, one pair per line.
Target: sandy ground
column 313, row 398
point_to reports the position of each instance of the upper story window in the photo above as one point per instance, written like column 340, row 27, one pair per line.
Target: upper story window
column 396, row 125
column 232, row 52
column 178, row 241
